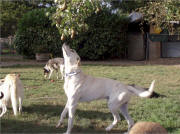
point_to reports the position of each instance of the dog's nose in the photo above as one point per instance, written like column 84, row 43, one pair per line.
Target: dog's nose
column 64, row 45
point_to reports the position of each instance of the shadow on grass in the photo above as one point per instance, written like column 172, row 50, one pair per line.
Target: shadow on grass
column 25, row 126
column 55, row 110
column 48, row 111
column 16, row 126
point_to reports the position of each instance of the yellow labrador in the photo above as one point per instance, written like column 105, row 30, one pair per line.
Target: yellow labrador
column 80, row 87
column 148, row 128
column 11, row 90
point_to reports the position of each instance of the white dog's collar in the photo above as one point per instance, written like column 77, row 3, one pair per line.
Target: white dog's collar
column 72, row 73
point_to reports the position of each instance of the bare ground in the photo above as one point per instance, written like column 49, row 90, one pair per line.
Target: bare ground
column 14, row 60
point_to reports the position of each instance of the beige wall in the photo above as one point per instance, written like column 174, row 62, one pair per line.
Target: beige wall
column 154, row 47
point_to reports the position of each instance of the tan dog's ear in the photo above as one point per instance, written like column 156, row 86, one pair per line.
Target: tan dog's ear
column 1, row 80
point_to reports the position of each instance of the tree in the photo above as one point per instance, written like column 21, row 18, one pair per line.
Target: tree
column 100, row 33
column 10, row 14
column 70, row 15
column 161, row 13
column 12, row 11
column 127, row 6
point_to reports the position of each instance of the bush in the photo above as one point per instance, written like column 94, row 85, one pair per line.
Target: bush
column 11, row 12
column 35, row 34
column 105, row 37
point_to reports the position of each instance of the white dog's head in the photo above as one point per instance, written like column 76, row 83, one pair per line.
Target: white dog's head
column 71, row 58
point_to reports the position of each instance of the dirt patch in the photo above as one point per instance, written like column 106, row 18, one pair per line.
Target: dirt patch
column 160, row 61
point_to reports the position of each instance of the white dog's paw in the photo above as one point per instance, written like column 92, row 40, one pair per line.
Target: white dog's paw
column 108, row 128
column 58, row 125
column 67, row 133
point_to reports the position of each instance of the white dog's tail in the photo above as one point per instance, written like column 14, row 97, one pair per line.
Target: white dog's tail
column 140, row 91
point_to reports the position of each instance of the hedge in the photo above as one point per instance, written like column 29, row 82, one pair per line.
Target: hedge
column 104, row 39
column 35, row 34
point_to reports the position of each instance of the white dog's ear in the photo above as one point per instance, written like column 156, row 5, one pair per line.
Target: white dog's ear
column 2, row 95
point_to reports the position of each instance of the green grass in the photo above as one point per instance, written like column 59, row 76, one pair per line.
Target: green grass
column 41, row 115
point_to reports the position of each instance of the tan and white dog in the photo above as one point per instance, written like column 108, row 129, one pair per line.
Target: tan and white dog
column 80, row 87
column 11, row 90
column 54, row 64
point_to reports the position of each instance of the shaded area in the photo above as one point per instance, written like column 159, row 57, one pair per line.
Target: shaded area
column 47, row 111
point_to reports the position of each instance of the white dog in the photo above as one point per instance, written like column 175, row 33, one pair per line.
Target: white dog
column 83, row 88
column 54, row 64
column 11, row 90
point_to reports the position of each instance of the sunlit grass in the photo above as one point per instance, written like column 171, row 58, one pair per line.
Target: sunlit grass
column 40, row 115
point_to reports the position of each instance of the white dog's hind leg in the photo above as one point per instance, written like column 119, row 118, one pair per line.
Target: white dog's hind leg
column 4, row 110
column 63, row 115
column 20, row 105
column 62, row 71
column 116, row 119
column 14, row 102
column 124, row 111
column 114, row 111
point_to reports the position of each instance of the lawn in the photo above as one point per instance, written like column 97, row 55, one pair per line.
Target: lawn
column 44, row 100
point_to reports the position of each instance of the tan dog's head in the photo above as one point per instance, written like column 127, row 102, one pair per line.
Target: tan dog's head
column 1, row 81
column 71, row 58
column 1, row 93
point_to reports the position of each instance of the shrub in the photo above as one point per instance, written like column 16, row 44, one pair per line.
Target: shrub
column 11, row 12
column 105, row 37
column 35, row 34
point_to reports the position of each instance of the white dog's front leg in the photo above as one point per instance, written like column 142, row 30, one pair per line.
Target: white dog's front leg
column 51, row 71
column 63, row 115
column 57, row 74
column 71, row 110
